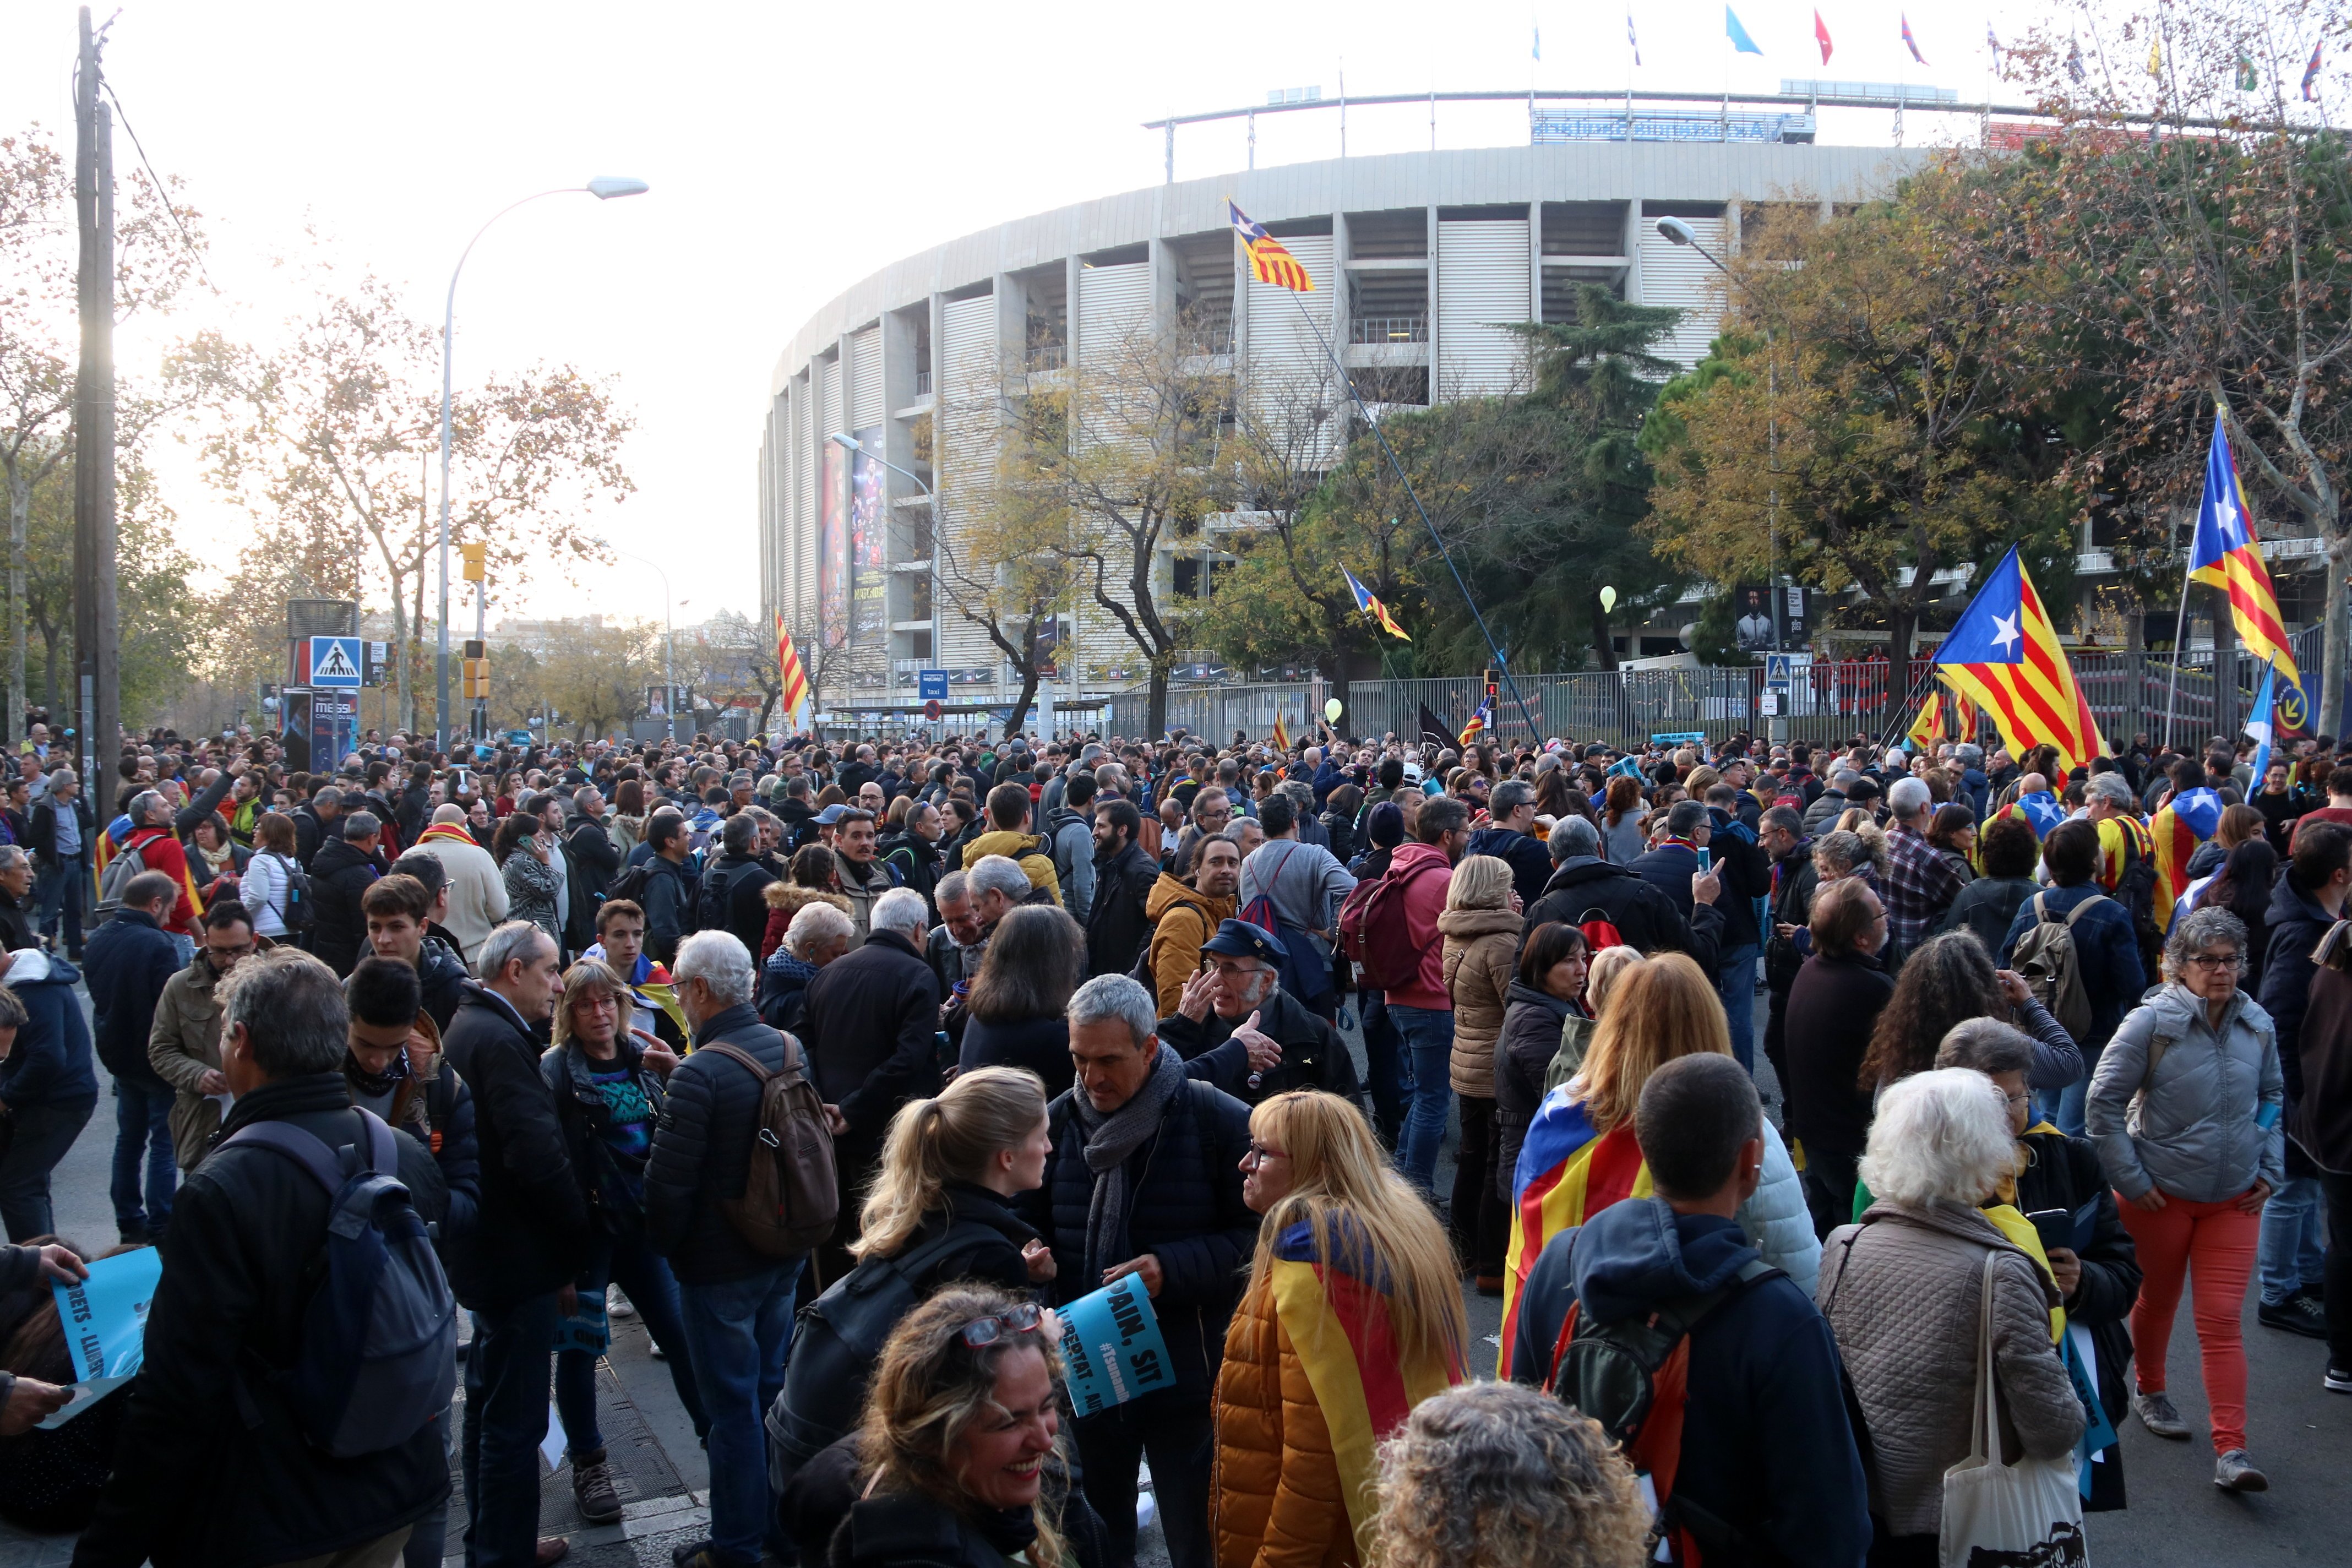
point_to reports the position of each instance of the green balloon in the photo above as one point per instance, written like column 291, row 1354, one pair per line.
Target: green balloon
column 1331, row 710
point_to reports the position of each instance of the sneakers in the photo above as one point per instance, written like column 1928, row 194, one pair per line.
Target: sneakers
column 618, row 1305
column 2298, row 1314
column 2234, row 1472
column 2337, row 1380
column 2156, row 1412
column 552, row 1550
column 592, row 1487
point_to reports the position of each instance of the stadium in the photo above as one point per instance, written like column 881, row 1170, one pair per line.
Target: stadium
column 1421, row 262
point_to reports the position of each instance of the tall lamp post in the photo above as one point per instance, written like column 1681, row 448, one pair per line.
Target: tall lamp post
column 604, row 187
column 669, row 645
column 1675, row 231
column 852, row 445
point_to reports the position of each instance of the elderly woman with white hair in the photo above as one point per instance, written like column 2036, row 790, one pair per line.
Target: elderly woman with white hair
column 1904, row 1291
column 819, row 933
column 2180, row 1106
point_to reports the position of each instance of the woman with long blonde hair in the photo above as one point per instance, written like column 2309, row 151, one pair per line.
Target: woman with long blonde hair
column 1352, row 1315
column 1658, row 1010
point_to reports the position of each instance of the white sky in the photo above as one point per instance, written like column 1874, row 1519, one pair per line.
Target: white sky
column 791, row 150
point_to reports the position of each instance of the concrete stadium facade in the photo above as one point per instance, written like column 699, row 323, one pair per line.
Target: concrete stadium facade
column 1421, row 262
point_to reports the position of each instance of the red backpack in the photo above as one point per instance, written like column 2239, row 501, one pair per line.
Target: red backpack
column 1375, row 933
column 1599, row 930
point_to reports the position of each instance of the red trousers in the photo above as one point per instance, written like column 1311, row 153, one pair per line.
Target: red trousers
column 2213, row 1245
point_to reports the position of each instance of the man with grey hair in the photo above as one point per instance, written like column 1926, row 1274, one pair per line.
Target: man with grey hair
column 16, row 900
column 1832, row 801
column 736, row 1302
column 873, row 1024
column 152, row 848
column 241, row 1261
column 1919, row 884
column 1144, row 1179
column 1585, row 889
column 957, row 944
column 529, row 1240
column 999, row 886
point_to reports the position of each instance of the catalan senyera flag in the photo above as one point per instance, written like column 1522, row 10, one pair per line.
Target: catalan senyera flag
column 1965, row 712
column 2225, row 554
column 1927, row 728
column 1340, row 1324
column 1567, row 1173
column 793, row 679
column 1478, row 725
column 1370, row 606
column 1269, row 262
column 2004, row 656
column 1281, row 735
column 2185, row 821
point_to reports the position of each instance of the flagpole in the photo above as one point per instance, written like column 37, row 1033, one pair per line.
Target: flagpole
column 2179, row 643
column 1348, row 381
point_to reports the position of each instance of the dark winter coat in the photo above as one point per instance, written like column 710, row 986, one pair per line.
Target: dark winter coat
column 441, row 977
column 614, row 1185
column 1529, row 861
column 247, row 1232
column 1647, row 918
column 1115, row 923
column 1795, row 883
column 340, row 874
column 1988, row 907
column 1832, row 1007
column 1312, row 1054
column 782, row 997
column 1768, row 1447
column 2318, row 1068
column 595, row 859
column 1184, row 1205
column 702, row 1152
column 1531, row 1027
column 42, row 836
column 531, row 1234
column 126, row 964
column 873, row 1026
column 2065, row 1175
column 49, row 1064
column 667, row 901
column 1042, row 1045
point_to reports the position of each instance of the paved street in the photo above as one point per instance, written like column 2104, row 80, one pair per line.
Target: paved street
column 2300, row 1433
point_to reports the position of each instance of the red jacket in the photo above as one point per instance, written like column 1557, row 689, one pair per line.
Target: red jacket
column 1424, row 900
column 159, row 851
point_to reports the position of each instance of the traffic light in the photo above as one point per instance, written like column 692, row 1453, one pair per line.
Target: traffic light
column 475, row 554
column 478, row 669
column 1493, row 678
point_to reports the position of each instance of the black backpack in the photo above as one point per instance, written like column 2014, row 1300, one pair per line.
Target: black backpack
column 714, row 893
column 836, row 1344
column 2136, row 891
column 632, row 883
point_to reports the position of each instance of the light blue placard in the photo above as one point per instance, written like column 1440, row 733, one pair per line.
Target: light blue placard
column 1111, row 1342
column 105, row 1316
column 587, row 1328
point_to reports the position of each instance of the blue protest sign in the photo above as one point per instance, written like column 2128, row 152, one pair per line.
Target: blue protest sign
column 1111, row 1342
column 105, row 1316
column 587, row 1328
column 931, row 685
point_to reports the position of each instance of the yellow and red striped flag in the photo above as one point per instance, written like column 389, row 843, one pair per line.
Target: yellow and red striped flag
column 789, row 674
column 1281, row 735
column 1927, row 728
column 2225, row 554
column 1567, row 1173
column 2004, row 655
column 1269, row 262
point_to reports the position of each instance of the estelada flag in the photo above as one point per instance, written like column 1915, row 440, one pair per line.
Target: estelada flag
column 2003, row 654
column 1566, row 1174
column 1478, row 725
column 2186, row 821
column 2224, row 552
column 1340, row 1323
column 793, row 679
column 1269, row 262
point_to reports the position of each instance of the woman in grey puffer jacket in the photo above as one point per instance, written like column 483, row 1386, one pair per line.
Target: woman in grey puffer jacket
column 2182, row 1108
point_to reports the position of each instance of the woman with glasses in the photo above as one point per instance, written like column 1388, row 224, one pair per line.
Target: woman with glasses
column 607, row 1084
column 958, row 1453
column 1352, row 1315
column 2180, row 1106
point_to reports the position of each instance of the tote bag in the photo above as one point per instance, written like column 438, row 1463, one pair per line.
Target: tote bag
column 2030, row 1512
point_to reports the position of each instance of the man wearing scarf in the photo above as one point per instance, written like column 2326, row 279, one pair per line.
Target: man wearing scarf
column 1144, row 1178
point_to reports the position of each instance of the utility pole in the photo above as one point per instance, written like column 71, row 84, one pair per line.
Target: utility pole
column 96, row 630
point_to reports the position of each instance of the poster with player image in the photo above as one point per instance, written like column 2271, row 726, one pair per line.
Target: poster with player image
column 832, row 568
column 868, row 576
column 1752, row 627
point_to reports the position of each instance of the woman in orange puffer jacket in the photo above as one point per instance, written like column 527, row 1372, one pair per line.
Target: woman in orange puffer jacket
column 1352, row 1316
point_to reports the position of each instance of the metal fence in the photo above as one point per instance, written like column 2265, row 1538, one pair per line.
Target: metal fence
column 1821, row 702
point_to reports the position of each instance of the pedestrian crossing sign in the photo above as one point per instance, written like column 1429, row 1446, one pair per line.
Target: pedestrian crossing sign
column 335, row 661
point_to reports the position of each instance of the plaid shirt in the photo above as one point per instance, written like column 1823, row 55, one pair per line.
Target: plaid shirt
column 1919, row 885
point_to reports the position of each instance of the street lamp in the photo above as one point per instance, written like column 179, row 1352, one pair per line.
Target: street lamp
column 849, row 443
column 1677, row 232
column 669, row 647
column 604, row 187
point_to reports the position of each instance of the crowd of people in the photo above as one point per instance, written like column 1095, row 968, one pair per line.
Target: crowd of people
column 916, row 1042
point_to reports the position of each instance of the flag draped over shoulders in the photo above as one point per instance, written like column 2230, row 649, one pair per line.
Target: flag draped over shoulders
column 1567, row 1172
column 2186, row 821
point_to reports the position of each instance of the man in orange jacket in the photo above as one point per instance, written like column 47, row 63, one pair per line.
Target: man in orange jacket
column 151, row 836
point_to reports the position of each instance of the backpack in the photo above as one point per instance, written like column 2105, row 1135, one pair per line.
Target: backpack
column 836, row 1341
column 712, row 895
column 1599, row 930
column 632, row 882
column 2136, row 891
column 791, row 1195
column 1630, row 1375
column 301, row 911
column 378, row 1356
column 1298, row 973
column 126, row 864
column 2046, row 957
column 1140, row 971
column 1374, row 932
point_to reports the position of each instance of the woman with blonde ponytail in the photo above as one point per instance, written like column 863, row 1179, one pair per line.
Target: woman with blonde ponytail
column 1352, row 1315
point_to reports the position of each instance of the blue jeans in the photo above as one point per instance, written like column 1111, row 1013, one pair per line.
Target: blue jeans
column 142, row 1121
column 41, row 1135
column 1385, row 1073
column 2064, row 1108
column 59, row 893
column 505, row 1419
column 1735, row 983
column 640, row 1271
column 738, row 1333
column 2294, row 1247
column 1428, row 1035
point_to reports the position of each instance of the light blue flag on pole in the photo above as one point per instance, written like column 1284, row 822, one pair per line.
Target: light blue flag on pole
column 1740, row 41
column 2259, row 724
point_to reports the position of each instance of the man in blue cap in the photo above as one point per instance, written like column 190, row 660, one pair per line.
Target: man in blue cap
column 1236, row 994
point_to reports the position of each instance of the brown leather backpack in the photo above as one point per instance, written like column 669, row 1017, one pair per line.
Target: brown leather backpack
column 791, row 1195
